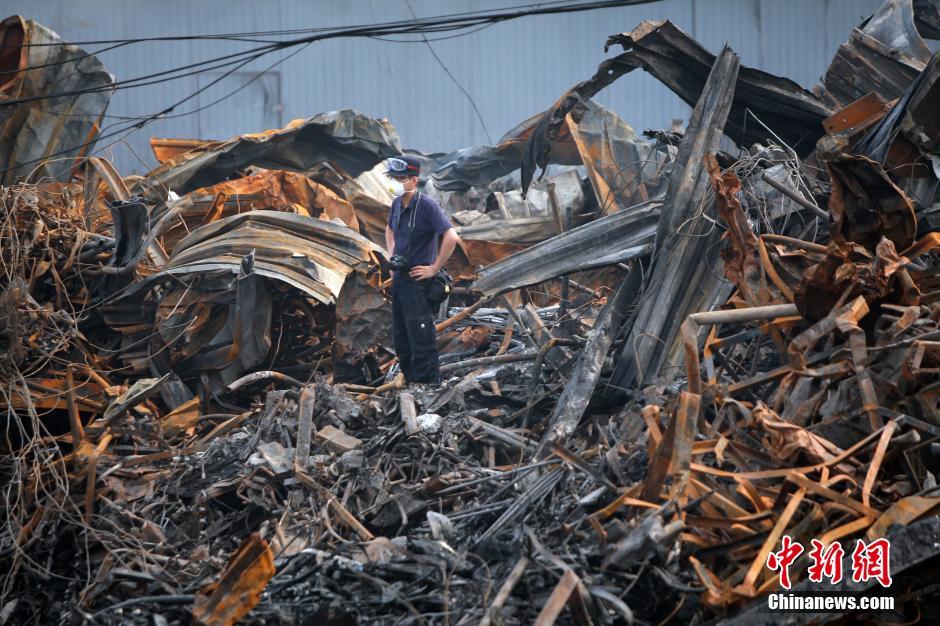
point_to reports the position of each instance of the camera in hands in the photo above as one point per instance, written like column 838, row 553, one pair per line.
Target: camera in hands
column 399, row 263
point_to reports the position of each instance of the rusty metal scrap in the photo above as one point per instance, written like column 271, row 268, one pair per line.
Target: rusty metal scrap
column 367, row 193
column 273, row 190
column 239, row 589
column 310, row 254
column 683, row 65
column 901, row 140
column 213, row 304
column 580, row 387
column 623, row 169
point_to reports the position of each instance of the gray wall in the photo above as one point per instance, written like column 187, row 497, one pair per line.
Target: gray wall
column 512, row 70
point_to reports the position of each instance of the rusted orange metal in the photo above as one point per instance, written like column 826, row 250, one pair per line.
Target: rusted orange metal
column 239, row 589
column 166, row 149
column 858, row 116
column 274, row 190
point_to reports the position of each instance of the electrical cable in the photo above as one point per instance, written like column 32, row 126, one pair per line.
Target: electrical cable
column 214, row 102
column 434, row 39
column 568, row 5
column 144, row 80
column 422, row 26
column 81, row 57
column 417, row 26
column 128, row 130
column 453, row 78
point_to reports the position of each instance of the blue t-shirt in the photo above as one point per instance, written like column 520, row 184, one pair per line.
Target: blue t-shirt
column 418, row 228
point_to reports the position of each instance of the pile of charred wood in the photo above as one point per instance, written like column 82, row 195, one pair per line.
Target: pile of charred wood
column 665, row 359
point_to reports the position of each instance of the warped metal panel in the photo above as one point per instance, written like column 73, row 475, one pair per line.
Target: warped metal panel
column 42, row 138
column 605, row 241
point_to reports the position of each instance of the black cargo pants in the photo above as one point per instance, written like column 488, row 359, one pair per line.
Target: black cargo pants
column 413, row 330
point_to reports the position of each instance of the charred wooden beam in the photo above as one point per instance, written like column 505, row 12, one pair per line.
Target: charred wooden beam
column 681, row 282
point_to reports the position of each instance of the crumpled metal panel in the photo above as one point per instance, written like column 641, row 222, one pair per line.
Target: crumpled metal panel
column 927, row 18
column 883, row 55
column 363, row 323
column 916, row 113
column 893, row 25
column 367, row 193
column 471, row 254
column 348, row 138
column 921, row 121
column 477, row 166
column 604, row 241
column 227, row 324
column 623, row 170
column 515, row 230
column 208, row 314
column 618, row 163
column 41, row 129
column 165, row 149
column 849, row 270
column 792, row 113
column 867, row 206
column 306, row 253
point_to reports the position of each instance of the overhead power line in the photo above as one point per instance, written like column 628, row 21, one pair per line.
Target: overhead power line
column 529, row 9
column 419, row 27
column 416, row 26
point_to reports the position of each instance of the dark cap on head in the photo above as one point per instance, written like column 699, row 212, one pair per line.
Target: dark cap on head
column 403, row 166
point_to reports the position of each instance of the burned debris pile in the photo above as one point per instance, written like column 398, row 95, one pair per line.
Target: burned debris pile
column 663, row 358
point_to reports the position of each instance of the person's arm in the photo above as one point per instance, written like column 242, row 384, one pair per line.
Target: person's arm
column 389, row 240
column 389, row 233
column 449, row 241
column 448, row 244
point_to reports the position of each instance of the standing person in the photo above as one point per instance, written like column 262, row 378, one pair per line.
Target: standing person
column 415, row 223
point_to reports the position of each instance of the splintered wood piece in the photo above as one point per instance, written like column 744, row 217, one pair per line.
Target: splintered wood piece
column 409, row 415
column 505, row 590
column 335, row 440
column 308, row 398
column 558, row 600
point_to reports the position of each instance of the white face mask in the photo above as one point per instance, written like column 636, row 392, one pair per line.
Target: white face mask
column 396, row 187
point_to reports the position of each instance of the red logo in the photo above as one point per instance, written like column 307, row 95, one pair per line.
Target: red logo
column 872, row 561
column 789, row 552
column 869, row 561
column 826, row 563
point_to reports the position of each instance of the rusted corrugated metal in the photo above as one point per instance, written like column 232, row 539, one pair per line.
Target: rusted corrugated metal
column 310, row 254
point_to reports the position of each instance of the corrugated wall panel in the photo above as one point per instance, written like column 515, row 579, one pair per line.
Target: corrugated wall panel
column 511, row 70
